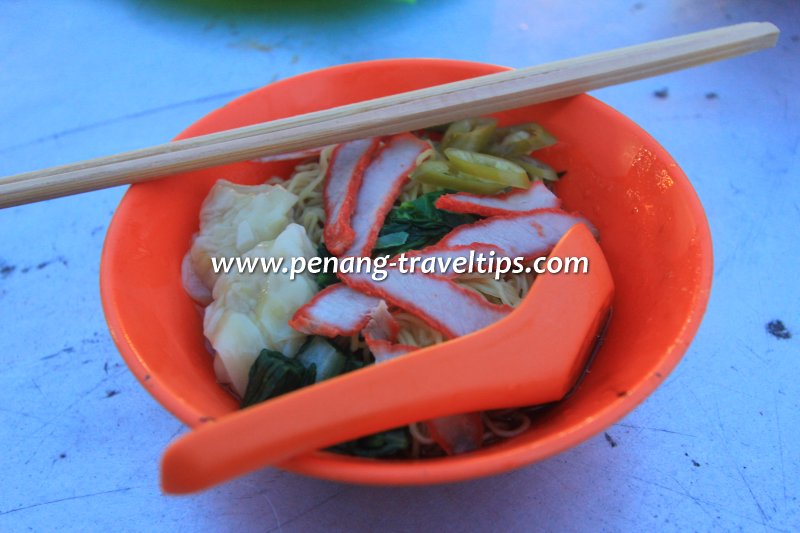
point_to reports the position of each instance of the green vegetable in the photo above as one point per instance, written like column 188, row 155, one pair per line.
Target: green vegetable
column 442, row 174
column 320, row 353
column 352, row 362
column 536, row 169
column 416, row 224
column 473, row 134
column 324, row 278
column 521, row 139
column 386, row 444
column 488, row 167
column 392, row 240
column 273, row 374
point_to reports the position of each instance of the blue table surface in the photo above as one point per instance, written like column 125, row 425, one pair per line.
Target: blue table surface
column 714, row 448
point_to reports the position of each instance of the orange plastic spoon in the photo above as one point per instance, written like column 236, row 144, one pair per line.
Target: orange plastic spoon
column 493, row 368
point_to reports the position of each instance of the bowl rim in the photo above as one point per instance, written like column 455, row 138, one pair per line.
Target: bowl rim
column 489, row 461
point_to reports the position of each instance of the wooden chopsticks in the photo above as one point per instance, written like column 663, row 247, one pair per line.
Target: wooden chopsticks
column 392, row 114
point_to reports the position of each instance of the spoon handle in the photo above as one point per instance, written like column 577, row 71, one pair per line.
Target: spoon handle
column 303, row 421
column 421, row 385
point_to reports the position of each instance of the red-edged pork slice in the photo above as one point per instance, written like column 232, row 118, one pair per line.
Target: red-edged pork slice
column 335, row 310
column 340, row 310
column 380, row 335
column 450, row 308
column 451, row 261
column 342, row 181
column 382, row 182
column 381, row 325
column 384, row 350
column 457, row 433
column 525, row 235
column 518, row 201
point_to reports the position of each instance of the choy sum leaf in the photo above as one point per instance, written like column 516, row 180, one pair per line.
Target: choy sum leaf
column 325, row 277
column 418, row 223
column 385, row 444
column 273, row 374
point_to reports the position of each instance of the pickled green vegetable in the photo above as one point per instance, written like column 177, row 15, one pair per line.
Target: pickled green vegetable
column 488, row 167
column 536, row 169
column 521, row 139
column 473, row 134
column 441, row 174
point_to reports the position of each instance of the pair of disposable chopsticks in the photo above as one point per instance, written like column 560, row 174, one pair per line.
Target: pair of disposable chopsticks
column 393, row 114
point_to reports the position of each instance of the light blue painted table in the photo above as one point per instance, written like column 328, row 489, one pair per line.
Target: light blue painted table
column 715, row 448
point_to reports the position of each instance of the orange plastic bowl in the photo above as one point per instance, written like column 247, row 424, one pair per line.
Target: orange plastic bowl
column 652, row 226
